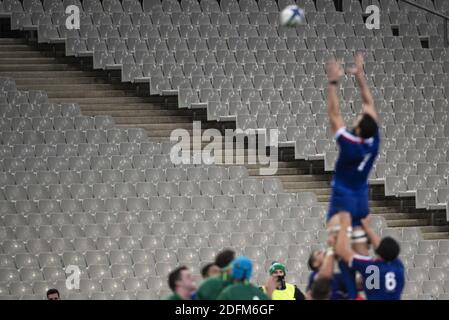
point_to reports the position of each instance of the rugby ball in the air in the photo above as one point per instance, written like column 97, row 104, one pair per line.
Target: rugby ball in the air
column 291, row 16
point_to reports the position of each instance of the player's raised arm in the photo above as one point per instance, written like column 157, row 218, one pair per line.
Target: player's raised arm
column 327, row 268
column 372, row 236
column 343, row 246
column 334, row 72
column 359, row 74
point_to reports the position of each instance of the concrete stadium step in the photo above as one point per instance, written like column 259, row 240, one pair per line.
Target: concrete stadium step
column 318, row 192
column 323, row 191
column 13, row 41
column 372, row 203
column 87, row 80
column 435, row 235
column 162, row 126
column 430, row 229
column 374, row 209
column 50, row 74
column 408, row 222
column 105, row 101
column 305, row 178
column 33, row 67
column 294, row 164
column 282, row 171
column 72, row 94
column 14, row 47
column 301, row 178
column 7, row 41
column 102, row 109
column 20, row 54
column 75, row 87
column 137, row 113
column 386, row 210
column 160, row 135
column 159, row 120
column 403, row 215
column 435, row 232
column 308, row 185
column 25, row 60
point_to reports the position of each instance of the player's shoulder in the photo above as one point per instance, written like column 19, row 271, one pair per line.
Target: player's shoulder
column 347, row 136
column 213, row 280
column 208, row 282
column 228, row 290
column 398, row 263
column 257, row 292
column 254, row 287
column 344, row 135
column 208, row 285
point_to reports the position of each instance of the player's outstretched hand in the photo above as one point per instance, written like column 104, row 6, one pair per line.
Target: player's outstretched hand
column 334, row 70
column 271, row 285
column 357, row 68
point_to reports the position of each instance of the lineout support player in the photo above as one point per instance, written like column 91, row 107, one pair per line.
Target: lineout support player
column 358, row 150
column 383, row 274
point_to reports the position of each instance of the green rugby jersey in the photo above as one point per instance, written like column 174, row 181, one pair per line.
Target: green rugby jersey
column 173, row 296
column 242, row 291
column 212, row 287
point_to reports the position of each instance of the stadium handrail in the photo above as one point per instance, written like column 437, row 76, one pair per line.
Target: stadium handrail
column 446, row 18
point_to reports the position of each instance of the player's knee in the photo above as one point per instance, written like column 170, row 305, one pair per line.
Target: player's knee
column 359, row 242
column 359, row 236
column 333, row 220
column 335, row 229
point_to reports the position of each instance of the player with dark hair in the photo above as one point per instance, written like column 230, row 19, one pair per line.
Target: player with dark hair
column 212, row 286
column 53, row 294
column 322, row 265
column 181, row 282
column 383, row 275
column 210, row 270
column 359, row 148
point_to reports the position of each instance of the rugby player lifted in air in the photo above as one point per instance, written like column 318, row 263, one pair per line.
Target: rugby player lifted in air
column 359, row 147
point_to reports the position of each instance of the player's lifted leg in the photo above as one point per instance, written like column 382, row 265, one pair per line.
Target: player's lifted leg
column 359, row 147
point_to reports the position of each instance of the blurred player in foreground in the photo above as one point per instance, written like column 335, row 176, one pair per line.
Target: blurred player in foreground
column 358, row 146
column 241, row 287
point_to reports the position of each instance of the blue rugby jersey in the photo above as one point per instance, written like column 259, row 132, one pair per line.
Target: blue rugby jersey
column 355, row 160
column 381, row 280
